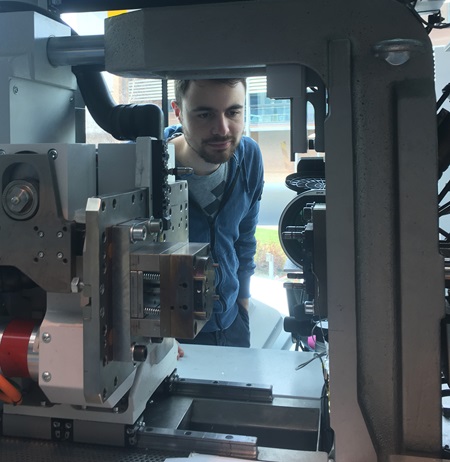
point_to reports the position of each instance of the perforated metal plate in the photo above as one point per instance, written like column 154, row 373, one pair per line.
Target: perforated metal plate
column 22, row 450
column 299, row 184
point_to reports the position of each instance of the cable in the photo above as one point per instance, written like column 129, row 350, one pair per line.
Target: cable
column 446, row 234
column 444, row 209
column 315, row 356
column 435, row 20
column 320, row 315
column 444, row 191
column 444, row 96
column 9, row 393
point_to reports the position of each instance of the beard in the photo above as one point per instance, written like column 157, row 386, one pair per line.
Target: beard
column 211, row 155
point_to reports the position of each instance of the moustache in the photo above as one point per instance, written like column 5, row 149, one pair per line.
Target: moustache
column 219, row 139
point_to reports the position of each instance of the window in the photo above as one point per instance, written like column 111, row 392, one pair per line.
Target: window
column 267, row 122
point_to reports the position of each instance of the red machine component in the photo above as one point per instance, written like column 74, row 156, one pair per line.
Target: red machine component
column 15, row 340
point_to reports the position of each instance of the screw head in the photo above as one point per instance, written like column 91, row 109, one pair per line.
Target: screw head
column 53, row 153
column 46, row 337
column 46, row 376
column 76, row 285
column 138, row 233
column 19, row 198
column 398, row 51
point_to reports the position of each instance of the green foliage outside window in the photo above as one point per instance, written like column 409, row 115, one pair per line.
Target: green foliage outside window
column 268, row 247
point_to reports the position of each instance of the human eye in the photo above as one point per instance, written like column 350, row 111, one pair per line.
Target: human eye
column 234, row 113
column 204, row 115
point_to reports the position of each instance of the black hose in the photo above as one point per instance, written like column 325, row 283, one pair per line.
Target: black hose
column 122, row 121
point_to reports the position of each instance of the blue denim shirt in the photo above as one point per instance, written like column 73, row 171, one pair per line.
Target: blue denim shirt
column 232, row 232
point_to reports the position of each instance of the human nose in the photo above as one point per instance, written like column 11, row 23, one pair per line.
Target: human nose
column 221, row 126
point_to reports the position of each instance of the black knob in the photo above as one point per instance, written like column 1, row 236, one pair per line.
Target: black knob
column 139, row 353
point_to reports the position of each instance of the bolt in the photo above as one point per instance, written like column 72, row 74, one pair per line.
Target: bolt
column 398, row 51
column 76, row 285
column 138, row 233
column 41, row 254
column 46, row 376
column 397, row 58
column 154, row 225
column 59, row 234
column 41, row 234
column 19, row 198
column 15, row 90
column 53, row 153
column 59, row 255
column 46, row 337
column 309, row 307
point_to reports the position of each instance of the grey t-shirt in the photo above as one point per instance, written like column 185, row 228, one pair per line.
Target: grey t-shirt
column 207, row 190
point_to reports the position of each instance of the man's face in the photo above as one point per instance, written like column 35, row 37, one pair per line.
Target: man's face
column 212, row 115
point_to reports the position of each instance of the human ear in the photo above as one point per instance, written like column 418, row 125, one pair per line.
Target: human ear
column 176, row 109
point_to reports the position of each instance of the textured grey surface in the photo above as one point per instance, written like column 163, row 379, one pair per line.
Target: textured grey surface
column 19, row 450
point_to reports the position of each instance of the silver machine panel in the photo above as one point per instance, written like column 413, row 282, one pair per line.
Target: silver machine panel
column 90, row 257
column 87, row 247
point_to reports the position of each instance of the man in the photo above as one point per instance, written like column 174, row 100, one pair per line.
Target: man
column 224, row 194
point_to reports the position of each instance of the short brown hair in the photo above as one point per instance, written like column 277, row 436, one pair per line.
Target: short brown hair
column 181, row 86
